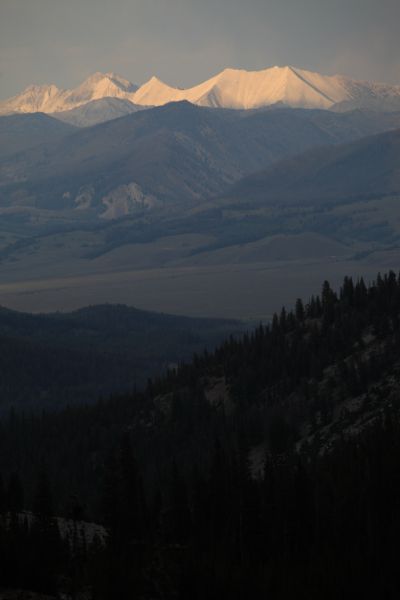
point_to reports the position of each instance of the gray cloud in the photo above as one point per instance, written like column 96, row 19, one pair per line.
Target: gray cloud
column 185, row 41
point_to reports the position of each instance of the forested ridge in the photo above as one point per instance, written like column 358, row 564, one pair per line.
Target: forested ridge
column 269, row 468
column 50, row 360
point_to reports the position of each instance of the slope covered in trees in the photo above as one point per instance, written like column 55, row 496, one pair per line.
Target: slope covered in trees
column 268, row 468
column 54, row 359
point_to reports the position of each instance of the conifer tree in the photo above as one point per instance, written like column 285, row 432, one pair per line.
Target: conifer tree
column 15, row 494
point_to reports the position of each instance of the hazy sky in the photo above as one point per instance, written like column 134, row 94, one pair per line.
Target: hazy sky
column 186, row 41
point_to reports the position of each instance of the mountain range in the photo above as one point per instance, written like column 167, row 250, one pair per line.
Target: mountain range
column 232, row 88
column 104, row 189
column 178, row 154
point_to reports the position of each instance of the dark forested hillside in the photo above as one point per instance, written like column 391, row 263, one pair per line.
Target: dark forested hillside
column 54, row 359
column 268, row 468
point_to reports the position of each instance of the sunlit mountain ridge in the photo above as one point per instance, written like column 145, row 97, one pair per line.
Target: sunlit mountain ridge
column 231, row 88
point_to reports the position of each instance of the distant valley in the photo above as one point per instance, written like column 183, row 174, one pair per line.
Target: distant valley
column 168, row 207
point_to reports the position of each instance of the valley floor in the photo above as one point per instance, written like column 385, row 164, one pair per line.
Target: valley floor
column 246, row 291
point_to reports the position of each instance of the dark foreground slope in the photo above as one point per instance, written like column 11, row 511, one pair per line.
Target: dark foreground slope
column 269, row 468
column 54, row 359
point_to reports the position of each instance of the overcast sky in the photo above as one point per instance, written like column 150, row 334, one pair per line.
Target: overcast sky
column 186, row 41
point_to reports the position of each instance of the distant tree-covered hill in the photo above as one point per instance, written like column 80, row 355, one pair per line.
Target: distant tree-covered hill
column 53, row 359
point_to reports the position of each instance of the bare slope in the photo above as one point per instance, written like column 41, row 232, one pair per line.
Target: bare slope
column 20, row 132
column 362, row 170
column 176, row 153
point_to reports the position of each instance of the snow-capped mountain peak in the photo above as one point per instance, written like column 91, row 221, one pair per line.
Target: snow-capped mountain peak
column 241, row 89
column 231, row 88
column 50, row 99
column 101, row 79
column 98, row 86
column 35, row 98
column 156, row 93
column 288, row 85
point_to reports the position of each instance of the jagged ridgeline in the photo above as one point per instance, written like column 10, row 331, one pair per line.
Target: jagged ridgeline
column 269, row 468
